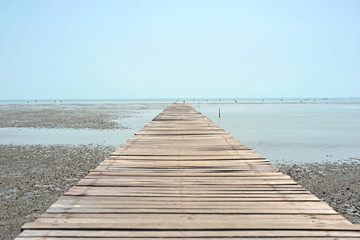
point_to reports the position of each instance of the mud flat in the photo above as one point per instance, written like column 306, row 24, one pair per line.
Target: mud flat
column 104, row 116
column 336, row 183
column 32, row 177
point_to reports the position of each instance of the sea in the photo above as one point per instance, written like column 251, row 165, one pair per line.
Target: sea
column 299, row 130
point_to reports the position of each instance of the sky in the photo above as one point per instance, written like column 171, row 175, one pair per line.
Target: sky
column 169, row 49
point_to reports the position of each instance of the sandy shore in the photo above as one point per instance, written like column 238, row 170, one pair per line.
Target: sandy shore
column 32, row 177
column 337, row 184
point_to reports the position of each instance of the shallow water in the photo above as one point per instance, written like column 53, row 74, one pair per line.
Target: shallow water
column 46, row 136
column 293, row 131
column 301, row 132
column 63, row 136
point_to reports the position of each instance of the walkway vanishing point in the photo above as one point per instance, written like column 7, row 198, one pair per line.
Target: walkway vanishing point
column 182, row 177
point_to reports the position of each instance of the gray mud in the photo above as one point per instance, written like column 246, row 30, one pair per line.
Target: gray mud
column 32, row 177
column 336, row 183
column 73, row 116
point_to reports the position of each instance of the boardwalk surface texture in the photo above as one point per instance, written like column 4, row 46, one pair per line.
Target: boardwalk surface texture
column 182, row 177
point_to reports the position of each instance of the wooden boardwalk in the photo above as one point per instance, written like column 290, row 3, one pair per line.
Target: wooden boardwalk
column 182, row 177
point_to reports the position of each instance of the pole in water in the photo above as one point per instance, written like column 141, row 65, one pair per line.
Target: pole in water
column 219, row 112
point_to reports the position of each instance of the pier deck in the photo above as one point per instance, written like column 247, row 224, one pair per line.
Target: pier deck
column 182, row 177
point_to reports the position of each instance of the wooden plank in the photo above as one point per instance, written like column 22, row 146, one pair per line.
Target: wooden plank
column 182, row 210
column 181, row 224
column 188, row 234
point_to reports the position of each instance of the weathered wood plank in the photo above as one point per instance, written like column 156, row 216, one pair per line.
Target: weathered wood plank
column 182, row 224
column 188, row 234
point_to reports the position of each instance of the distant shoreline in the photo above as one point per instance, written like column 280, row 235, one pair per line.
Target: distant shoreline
column 189, row 100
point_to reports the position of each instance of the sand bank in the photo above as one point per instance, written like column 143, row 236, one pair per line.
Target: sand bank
column 104, row 116
column 74, row 116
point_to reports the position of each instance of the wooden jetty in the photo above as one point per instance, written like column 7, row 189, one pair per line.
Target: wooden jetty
column 182, row 177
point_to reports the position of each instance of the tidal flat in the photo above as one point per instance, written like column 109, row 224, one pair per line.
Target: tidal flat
column 70, row 116
column 33, row 176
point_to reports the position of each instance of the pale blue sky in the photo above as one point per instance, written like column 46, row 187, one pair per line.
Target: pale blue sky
column 140, row 49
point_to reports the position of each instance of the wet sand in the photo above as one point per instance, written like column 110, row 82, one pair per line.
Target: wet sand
column 336, row 183
column 73, row 116
column 104, row 116
column 32, row 177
